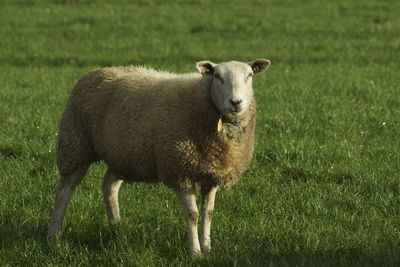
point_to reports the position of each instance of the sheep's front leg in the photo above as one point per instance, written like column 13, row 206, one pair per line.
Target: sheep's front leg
column 207, row 208
column 191, row 213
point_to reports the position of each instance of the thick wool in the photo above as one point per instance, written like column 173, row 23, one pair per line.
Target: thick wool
column 153, row 126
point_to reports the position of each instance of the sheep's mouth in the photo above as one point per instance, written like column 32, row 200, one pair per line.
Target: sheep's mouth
column 233, row 114
column 236, row 110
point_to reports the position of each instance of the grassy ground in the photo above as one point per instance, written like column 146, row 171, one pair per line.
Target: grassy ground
column 323, row 188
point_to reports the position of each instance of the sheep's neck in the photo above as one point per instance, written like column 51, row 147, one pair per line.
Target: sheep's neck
column 234, row 130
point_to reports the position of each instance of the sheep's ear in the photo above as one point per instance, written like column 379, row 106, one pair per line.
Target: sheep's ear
column 259, row 65
column 205, row 67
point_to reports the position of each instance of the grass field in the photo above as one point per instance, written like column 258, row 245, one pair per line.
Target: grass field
column 323, row 188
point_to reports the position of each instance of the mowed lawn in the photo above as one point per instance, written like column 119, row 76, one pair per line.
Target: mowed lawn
column 323, row 187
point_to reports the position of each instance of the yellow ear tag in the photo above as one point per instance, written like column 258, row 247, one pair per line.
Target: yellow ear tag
column 219, row 126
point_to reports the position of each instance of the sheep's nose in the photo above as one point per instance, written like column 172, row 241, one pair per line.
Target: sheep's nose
column 235, row 103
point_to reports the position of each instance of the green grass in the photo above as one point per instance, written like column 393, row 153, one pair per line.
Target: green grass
column 323, row 188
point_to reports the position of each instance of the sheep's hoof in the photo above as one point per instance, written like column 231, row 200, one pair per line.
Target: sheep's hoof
column 206, row 248
column 53, row 236
column 114, row 221
column 195, row 254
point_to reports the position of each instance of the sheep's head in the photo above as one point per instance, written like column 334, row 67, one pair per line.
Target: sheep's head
column 231, row 89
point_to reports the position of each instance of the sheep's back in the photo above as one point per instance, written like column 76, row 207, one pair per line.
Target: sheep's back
column 117, row 105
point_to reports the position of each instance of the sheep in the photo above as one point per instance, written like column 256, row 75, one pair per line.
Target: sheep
column 151, row 126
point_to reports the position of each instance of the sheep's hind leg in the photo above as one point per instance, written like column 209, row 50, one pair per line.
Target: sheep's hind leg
column 64, row 190
column 111, row 185
column 191, row 213
column 207, row 208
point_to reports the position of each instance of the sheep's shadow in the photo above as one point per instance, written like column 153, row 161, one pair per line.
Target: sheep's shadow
column 16, row 229
column 259, row 253
column 133, row 235
column 95, row 237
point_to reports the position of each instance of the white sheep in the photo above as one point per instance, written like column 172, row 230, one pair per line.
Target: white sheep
column 150, row 126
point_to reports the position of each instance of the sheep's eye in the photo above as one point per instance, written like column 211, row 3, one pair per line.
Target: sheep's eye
column 249, row 76
column 218, row 77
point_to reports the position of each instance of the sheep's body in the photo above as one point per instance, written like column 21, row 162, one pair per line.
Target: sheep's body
column 154, row 126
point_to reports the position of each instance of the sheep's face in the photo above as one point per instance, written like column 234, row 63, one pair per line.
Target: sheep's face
column 231, row 89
